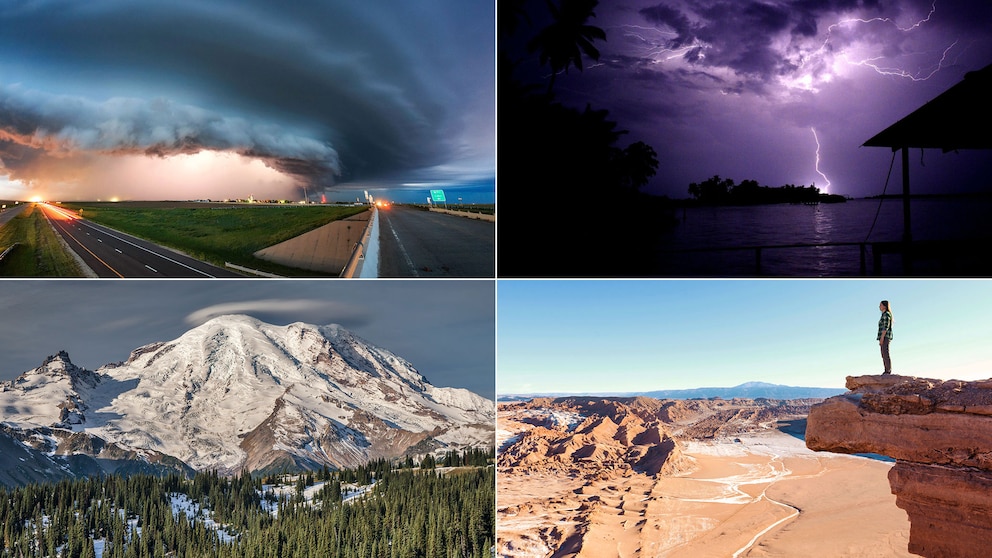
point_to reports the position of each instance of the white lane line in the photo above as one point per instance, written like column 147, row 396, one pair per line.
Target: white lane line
column 118, row 251
column 164, row 257
column 406, row 256
column 151, row 268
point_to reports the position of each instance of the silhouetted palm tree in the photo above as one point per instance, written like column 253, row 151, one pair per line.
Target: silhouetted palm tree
column 639, row 162
column 511, row 12
column 562, row 43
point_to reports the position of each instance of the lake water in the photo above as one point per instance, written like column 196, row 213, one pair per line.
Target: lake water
column 766, row 225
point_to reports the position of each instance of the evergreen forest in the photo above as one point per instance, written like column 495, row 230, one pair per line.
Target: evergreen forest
column 377, row 510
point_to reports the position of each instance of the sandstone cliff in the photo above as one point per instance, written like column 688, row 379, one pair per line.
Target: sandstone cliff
column 940, row 434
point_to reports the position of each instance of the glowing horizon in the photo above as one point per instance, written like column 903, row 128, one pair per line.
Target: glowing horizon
column 207, row 174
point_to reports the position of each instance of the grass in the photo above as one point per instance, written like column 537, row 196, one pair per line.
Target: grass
column 38, row 252
column 217, row 234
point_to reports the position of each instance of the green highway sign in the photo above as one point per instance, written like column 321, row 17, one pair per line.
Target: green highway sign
column 437, row 195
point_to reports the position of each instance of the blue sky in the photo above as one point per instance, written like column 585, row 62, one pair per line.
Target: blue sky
column 624, row 336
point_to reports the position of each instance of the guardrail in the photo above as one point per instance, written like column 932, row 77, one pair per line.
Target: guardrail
column 358, row 254
column 759, row 250
column 470, row 214
column 252, row 271
column 8, row 250
column 927, row 257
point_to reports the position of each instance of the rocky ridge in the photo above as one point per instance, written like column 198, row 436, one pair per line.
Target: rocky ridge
column 576, row 471
column 602, row 437
column 940, row 433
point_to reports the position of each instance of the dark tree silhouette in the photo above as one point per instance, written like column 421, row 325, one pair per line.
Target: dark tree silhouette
column 562, row 43
column 573, row 190
column 510, row 15
column 722, row 191
column 712, row 190
column 638, row 163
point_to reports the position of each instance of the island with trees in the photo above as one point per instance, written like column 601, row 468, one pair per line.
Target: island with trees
column 723, row 191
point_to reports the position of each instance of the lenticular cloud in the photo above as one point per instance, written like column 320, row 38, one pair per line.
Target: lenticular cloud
column 38, row 126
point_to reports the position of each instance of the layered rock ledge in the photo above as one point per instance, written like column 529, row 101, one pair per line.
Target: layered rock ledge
column 940, row 434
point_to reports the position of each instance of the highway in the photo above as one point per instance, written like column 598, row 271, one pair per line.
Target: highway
column 111, row 253
column 9, row 213
column 415, row 243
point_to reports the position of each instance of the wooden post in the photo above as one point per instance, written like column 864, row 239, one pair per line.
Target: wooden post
column 907, row 229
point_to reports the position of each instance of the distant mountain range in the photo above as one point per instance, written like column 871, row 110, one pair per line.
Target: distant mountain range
column 748, row 390
column 234, row 394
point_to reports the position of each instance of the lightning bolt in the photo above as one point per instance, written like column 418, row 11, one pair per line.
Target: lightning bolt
column 657, row 51
column 806, row 82
column 817, row 164
column 898, row 72
column 933, row 8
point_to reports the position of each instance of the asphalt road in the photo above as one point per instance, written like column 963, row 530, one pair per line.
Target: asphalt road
column 10, row 213
column 111, row 253
column 415, row 243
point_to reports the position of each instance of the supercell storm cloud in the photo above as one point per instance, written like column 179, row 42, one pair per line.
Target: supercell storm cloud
column 760, row 88
column 320, row 92
column 36, row 127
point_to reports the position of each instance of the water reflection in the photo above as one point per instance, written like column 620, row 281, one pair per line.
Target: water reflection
column 748, row 227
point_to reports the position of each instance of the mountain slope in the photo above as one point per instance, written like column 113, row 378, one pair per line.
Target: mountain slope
column 236, row 393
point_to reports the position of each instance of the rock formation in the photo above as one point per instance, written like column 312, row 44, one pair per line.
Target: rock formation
column 599, row 438
column 940, row 434
column 614, row 436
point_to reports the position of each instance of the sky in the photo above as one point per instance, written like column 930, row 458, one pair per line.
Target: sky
column 779, row 91
column 179, row 99
column 635, row 336
column 446, row 329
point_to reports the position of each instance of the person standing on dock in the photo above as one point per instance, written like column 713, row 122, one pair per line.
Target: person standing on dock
column 885, row 334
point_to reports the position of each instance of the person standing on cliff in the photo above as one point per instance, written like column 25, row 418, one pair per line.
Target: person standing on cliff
column 885, row 334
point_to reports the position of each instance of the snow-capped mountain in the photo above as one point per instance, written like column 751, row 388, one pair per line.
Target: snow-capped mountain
column 239, row 394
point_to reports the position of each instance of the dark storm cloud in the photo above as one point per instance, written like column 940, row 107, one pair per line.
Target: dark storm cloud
column 445, row 328
column 35, row 125
column 664, row 14
column 388, row 84
column 737, row 88
column 738, row 35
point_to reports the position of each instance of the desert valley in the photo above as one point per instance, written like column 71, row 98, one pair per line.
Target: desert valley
column 587, row 476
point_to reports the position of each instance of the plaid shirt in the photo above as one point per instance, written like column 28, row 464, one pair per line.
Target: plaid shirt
column 885, row 324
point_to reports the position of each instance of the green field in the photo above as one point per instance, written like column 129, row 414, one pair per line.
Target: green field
column 38, row 252
column 213, row 232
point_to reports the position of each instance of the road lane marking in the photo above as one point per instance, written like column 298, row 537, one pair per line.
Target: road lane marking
column 406, row 256
column 164, row 257
column 74, row 239
column 151, row 268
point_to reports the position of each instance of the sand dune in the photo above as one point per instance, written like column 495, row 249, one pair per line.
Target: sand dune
column 764, row 495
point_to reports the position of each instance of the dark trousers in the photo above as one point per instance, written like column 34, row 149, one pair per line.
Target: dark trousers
column 885, row 355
